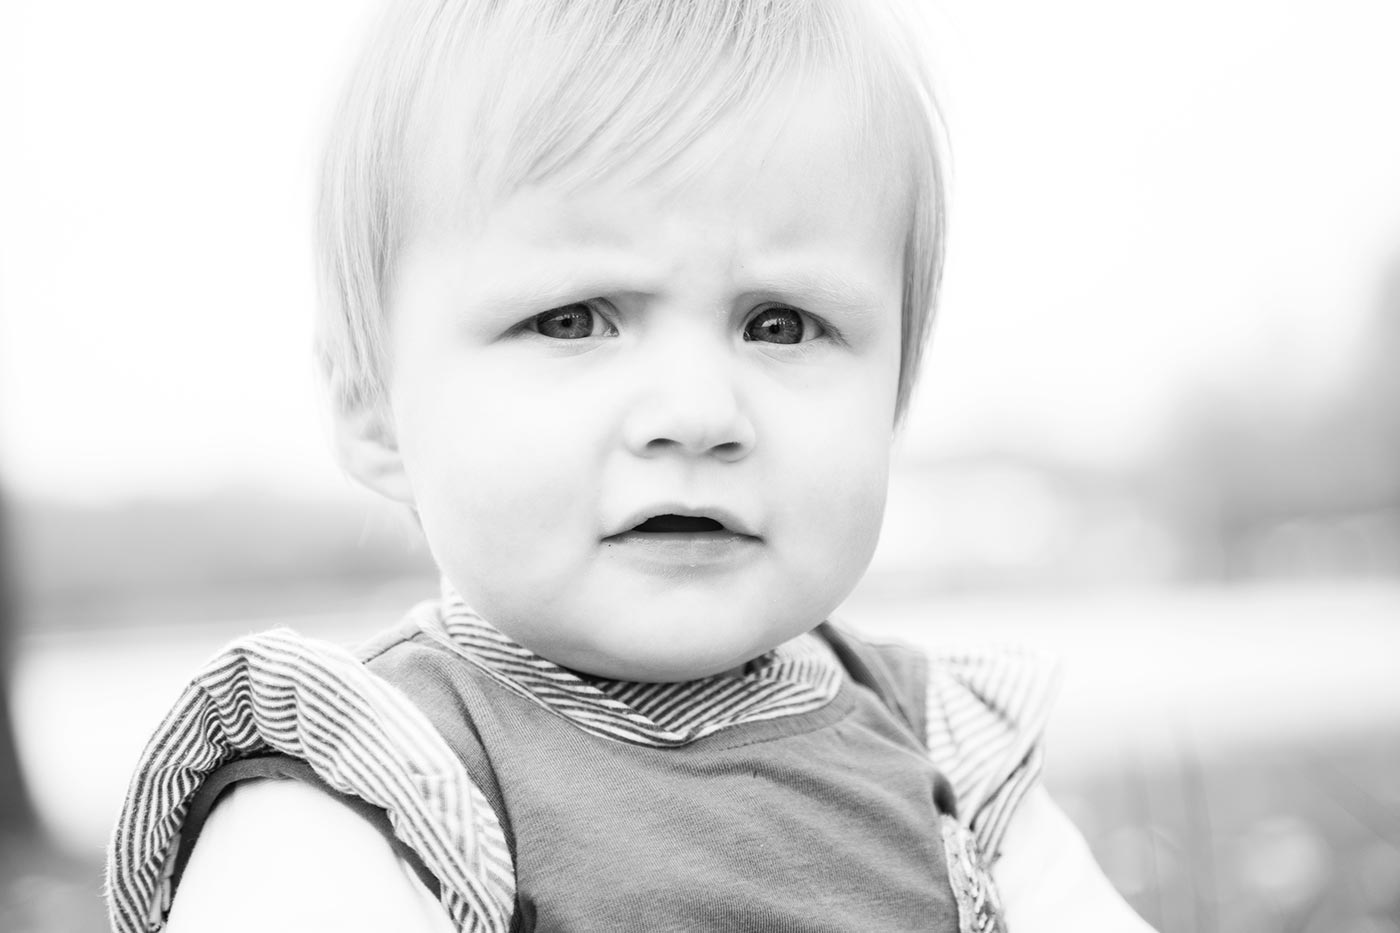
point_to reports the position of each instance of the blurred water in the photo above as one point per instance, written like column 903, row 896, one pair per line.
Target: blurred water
column 1151, row 675
column 1207, row 668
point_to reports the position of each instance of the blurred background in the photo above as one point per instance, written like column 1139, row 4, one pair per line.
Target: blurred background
column 1158, row 432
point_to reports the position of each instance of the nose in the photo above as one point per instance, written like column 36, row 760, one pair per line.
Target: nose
column 691, row 407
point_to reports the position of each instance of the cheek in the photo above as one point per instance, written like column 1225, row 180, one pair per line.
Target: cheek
column 839, row 469
column 495, row 480
column 853, row 502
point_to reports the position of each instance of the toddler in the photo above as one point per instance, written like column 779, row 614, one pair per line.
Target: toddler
column 625, row 299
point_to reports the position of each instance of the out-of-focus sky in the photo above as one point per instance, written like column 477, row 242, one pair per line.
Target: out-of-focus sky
column 1150, row 201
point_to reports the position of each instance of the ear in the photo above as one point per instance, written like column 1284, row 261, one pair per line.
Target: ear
column 368, row 448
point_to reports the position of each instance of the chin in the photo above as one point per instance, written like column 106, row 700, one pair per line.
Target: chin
column 656, row 641
column 658, row 669
column 674, row 651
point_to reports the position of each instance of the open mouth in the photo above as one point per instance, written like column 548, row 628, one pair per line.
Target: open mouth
column 673, row 544
column 679, row 524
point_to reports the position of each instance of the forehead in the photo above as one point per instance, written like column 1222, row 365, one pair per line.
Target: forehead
column 790, row 205
column 784, row 174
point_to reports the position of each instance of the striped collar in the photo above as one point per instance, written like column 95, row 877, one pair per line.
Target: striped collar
column 799, row 676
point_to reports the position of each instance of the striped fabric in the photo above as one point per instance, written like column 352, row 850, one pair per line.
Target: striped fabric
column 979, row 905
column 987, row 711
column 284, row 693
column 312, row 700
column 799, row 676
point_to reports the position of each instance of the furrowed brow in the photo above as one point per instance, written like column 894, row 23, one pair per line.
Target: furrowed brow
column 556, row 277
column 827, row 285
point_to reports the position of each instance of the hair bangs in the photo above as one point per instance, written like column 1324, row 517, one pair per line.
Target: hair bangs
column 623, row 89
column 489, row 96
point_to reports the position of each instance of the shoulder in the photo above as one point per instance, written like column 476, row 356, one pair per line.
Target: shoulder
column 1010, row 686
column 280, row 694
column 1049, row 881
column 981, row 712
column 986, row 714
column 281, row 855
column 404, row 637
column 407, row 655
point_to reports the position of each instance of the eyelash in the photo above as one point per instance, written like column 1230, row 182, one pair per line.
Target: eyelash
column 807, row 321
column 812, row 327
column 533, row 324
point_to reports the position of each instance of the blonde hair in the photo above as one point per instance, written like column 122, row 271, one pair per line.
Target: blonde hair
column 572, row 90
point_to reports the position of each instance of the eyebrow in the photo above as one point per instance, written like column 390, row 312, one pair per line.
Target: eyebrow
column 556, row 280
column 800, row 280
column 825, row 283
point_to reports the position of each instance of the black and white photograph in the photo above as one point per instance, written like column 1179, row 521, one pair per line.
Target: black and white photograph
column 734, row 466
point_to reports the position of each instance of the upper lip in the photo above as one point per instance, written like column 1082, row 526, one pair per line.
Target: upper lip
column 725, row 517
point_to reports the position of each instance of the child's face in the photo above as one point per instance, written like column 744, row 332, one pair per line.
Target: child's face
column 579, row 361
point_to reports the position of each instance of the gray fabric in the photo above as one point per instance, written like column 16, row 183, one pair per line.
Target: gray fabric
column 824, row 821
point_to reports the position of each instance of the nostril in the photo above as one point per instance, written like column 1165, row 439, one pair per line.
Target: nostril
column 726, row 449
column 661, row 428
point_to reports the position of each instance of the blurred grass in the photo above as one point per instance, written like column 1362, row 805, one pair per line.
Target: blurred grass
column 1300, row 837
column 1271, row 839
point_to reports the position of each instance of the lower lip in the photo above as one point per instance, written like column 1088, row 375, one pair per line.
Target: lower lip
column 683, row 550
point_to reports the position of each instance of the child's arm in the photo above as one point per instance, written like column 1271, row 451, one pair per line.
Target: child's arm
column 281, row 855
column 1049, row 881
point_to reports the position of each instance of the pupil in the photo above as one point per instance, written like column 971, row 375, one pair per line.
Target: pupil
column 569, row 323
column 777, row 327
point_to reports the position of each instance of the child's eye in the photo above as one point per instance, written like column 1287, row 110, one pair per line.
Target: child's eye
column 781, row 325
column 571, row 322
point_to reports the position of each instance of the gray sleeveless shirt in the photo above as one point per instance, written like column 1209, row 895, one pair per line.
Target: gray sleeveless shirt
column 828, row 820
